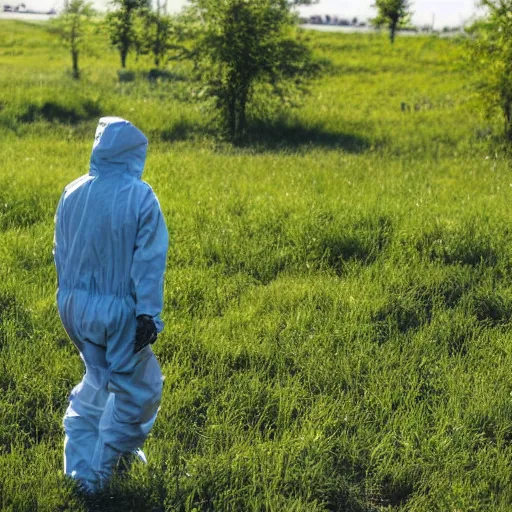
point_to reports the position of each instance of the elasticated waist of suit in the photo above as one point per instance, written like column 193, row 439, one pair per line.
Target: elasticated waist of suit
column 95, row 293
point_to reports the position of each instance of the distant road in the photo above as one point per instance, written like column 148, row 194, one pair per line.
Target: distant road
column 369, row 30
column 25, row 16
column 320, row 28
column 337, row 28
column 44, row 17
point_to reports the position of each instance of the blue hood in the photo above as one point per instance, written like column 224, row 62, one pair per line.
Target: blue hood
column 118, row 145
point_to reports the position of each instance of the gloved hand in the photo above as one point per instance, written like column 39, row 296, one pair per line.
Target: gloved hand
column 145, row 333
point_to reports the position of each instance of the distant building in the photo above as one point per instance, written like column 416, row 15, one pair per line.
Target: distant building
column 333, row 20
column 22, row 9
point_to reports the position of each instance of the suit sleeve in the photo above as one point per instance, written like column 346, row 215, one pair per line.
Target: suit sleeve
column 59, row 247
column 149, row 259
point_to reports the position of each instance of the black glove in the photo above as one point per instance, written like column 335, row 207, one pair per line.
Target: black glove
column 145, row 333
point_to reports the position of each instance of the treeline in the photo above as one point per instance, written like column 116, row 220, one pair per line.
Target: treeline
column 245, row 49
column 239, row 49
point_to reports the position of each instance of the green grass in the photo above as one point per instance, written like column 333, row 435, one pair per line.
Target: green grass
column 338, row 296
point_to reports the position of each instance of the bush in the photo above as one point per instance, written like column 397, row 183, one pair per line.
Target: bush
column 491, row 52
column 243, row 44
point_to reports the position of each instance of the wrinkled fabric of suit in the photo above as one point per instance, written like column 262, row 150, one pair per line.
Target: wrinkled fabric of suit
column 110, row 252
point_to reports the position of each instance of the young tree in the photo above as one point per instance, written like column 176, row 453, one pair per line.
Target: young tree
column 161, row 35
column 160, row 32
column 139, row 31
column 245, row 43
column 74, row 26
column 121, row 25
column 393, row 14
column 491, row 51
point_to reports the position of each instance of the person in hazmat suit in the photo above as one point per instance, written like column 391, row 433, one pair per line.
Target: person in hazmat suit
column 110, row 252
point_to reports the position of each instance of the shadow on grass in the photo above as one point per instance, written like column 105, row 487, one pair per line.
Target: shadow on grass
column 55, row 112
column 467, row 244
column 184, row 130
column 121, row 498
column 165, row 75
column 275, row 136
column 281, row 135
column 153, row 75
column 492, row 307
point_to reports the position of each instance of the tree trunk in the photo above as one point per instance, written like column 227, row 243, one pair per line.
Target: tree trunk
column 74, row 47
column 237, row 116
column 232, row 116
column 74, row 58
column 242, row 116
column 236, row 103
column 507, row 110
column 125, row 37
column 123, row 52
column 392, row 31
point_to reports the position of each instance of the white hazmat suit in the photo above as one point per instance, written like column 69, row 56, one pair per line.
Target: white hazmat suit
column 110, row 253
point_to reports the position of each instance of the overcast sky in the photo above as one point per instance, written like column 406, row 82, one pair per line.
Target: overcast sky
column 446, row 12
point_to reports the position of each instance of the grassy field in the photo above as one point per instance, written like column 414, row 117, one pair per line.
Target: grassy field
column 338, row 296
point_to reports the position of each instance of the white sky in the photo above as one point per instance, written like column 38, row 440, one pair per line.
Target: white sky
column 446, row 12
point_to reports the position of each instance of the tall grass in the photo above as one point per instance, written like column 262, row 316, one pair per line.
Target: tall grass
column 338, row 303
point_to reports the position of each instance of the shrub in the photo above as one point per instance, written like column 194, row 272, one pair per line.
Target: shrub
column 243, row 44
